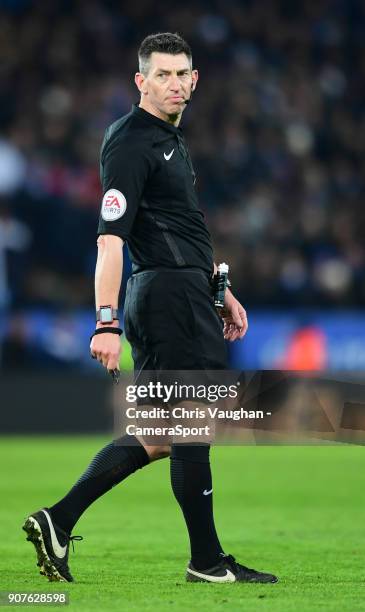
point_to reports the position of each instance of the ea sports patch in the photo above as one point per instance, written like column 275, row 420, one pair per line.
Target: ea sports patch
column 114, row 205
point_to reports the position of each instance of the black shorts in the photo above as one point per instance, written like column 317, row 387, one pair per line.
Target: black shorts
column 171, row 322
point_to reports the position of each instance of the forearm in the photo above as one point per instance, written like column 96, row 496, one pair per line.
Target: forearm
column 108, row 272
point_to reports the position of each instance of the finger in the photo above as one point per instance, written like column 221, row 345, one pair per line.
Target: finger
column 243, row 315
column 226, row 330
column 230, row 334
column 115, row 374
column 113, row 362
column 237, row 332
column 93, row 355
column 104, row 358
column 243, row 331
column 236, row 317
column 234, row 335
column 243, row 326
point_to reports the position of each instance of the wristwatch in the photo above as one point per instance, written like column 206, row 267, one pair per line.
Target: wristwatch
column 106, row 315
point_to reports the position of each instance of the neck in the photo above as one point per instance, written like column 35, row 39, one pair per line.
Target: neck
column 149, row 108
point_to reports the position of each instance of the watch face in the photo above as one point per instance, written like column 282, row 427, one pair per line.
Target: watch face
column 106, row 315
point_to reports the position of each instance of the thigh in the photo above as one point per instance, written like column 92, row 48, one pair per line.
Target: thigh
column 171, row 322
column 208, row 326
column 142, row 357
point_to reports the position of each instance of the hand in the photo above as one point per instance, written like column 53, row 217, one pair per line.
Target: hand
column 234, row 317
column 106, row 348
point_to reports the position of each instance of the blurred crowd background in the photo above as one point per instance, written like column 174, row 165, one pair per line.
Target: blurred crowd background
column 276, row 132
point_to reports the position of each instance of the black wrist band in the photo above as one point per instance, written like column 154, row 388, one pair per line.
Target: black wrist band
column 107, row 330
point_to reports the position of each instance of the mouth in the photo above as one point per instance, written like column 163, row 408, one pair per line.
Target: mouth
column 176, row 98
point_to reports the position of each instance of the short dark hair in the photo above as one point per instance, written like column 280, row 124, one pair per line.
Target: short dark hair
column 165, row 42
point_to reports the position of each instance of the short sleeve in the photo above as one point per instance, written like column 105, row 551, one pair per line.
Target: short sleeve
column 124, row 170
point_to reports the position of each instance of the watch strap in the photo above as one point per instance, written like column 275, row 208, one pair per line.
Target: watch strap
column 114, row 313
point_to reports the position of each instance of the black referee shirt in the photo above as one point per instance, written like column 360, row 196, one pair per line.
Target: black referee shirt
column 149, row 196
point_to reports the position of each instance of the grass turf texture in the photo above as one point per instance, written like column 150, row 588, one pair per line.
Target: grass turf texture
column 295, row 511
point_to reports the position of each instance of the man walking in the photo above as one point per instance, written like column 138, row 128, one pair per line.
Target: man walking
column 170, row 320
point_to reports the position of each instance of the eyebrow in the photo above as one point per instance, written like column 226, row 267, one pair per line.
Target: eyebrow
column 169, row 71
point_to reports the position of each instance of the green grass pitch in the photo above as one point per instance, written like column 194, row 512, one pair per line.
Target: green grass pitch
column 295, row 511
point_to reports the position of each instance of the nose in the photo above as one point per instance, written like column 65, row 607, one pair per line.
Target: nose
column 174, row 84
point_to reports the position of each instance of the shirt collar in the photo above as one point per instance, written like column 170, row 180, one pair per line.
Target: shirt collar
column 137, row 110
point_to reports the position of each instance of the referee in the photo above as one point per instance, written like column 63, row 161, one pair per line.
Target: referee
column 150, row 203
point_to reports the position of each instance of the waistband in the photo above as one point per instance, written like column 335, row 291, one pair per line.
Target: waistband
column 186, row 270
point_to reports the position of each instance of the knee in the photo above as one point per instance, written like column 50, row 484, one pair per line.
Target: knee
column 191, row 452
column 158, row 452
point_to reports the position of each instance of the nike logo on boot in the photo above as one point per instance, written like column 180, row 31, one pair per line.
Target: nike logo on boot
column 59, row 550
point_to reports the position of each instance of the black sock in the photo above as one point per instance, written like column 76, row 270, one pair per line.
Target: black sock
column 110, row 466
column 191, row 481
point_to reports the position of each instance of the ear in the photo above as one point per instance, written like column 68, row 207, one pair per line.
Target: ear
column 139, row 80
column 194, row 79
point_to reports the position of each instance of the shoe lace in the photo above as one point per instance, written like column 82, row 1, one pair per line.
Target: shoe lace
column 75, row 538
column 236, row 567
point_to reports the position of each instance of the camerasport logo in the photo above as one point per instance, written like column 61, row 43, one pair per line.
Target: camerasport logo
column 114, row 205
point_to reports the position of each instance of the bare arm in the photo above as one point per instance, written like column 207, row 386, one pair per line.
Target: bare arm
column 108, row 274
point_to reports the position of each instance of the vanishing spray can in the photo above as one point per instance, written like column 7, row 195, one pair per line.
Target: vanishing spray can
column 220, row 285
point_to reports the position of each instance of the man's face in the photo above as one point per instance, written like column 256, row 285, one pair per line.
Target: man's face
column 168, row 83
